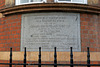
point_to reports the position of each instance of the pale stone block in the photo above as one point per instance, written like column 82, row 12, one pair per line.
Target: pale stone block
column 61, row 56
column 93, row 2
column 18, row 55
column 9, row 3
column 45, row 56
column 49, row 56
column 4, row 55
column 1, row 15
column 32, row 56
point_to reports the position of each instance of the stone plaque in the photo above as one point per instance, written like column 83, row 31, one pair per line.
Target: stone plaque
column 49, row 30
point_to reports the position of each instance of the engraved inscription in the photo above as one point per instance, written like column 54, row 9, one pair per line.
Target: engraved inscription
column 49, row 30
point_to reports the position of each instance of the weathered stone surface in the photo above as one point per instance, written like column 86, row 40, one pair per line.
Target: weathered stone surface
column 49, row 30
column 9, row 3
column 93, row 2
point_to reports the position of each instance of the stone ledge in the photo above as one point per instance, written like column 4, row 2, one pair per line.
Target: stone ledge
column 50, row 7
column 49, row 56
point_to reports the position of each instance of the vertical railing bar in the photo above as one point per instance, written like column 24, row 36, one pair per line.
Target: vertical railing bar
column 10, row 57
column 39, row 57
column 88, row 57
column 55, row 57
column 71, row 57
column 24, row 57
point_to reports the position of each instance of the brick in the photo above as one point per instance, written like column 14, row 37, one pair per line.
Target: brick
column 90, row 15
column 14, row 32
column 13, row 24
column 16, row 36
column 84, row 35
column 92, row 28
column 85, row 40
column 91, row 24
column 2, row 49
column 92, row 49
column 18, row 31
column 91, row 40
column 16, row 44
column 10, row 36
column 17, row 49
column 91, row 32
column 2, row 22
column 2, row 45
column 18, row 23
column 82, row 19
column 85, row 31
column 92, row 36
column 84, row 23
column 84, row 27
column 84, row 15
column 88, row 19
column 84, row 44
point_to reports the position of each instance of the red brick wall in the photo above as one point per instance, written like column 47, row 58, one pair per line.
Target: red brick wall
column 2, row 4
column 90, row 26
column 10, row 30
column 99, row 33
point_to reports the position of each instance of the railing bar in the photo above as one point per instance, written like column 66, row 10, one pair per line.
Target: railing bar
column 55, row 57
column 71, row 57
column 24, row 57
column 39, row 57
column 88, row 57
column 10, row 57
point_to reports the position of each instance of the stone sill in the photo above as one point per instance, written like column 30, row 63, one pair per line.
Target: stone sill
column 49, row 56
column 51, row 7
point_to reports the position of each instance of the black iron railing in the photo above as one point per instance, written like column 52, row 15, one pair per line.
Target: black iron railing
column 55, row 60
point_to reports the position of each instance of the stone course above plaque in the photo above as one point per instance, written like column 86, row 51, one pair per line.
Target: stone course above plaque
column 49, row 30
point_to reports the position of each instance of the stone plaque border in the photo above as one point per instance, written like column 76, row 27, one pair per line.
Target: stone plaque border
column 51, row 49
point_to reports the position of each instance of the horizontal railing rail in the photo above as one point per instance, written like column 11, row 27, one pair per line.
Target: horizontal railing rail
column 55, row 64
